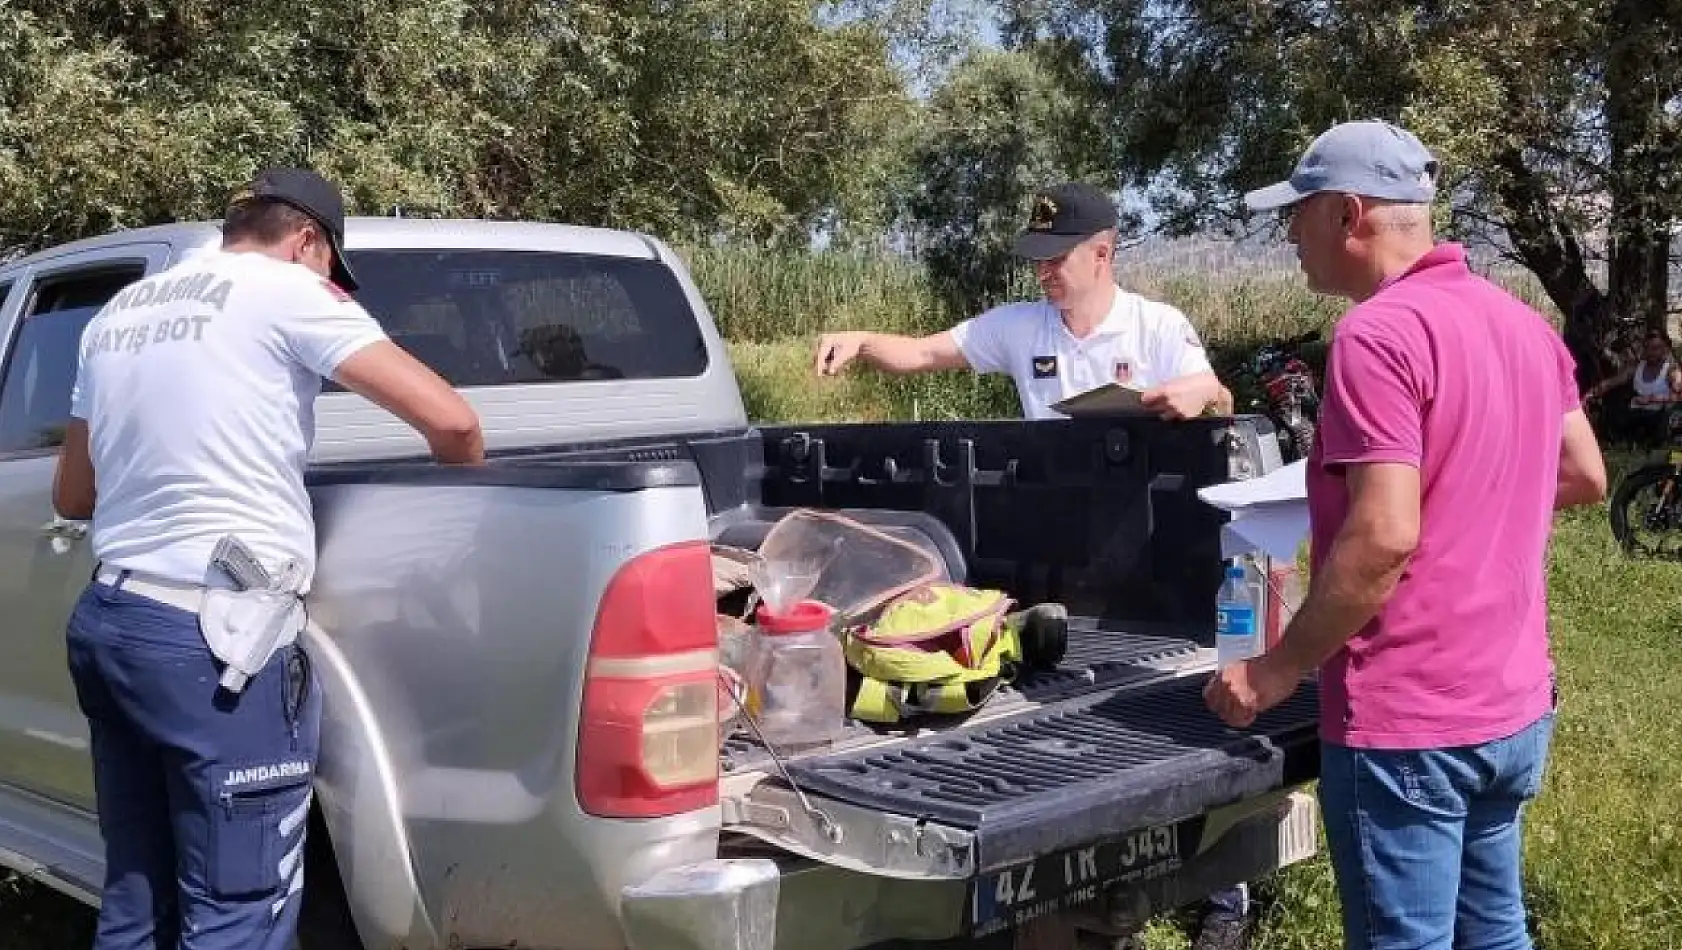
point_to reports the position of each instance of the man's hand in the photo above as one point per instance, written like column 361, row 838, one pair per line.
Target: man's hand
column 1246, row 689
column 1182, row 398
column 1225, row 405
column 836, row 350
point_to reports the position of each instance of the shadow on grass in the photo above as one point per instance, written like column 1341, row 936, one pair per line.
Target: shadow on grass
column 33, row 917
column 1542, row 902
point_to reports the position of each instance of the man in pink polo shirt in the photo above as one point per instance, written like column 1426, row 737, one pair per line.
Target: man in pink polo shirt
column 1449, row 435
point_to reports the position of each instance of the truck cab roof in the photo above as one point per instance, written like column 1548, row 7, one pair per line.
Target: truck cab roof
column 376, row 232
column 555, row 333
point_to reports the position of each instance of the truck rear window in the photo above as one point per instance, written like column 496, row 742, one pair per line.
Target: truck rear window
column 501, row 318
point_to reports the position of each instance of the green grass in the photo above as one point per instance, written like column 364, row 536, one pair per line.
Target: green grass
column 1603, row 866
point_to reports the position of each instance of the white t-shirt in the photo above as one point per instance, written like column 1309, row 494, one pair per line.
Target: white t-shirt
column 198, row 385
column 1141, row 343
column 1659, row 385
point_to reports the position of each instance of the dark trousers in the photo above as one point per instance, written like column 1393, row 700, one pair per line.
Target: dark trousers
column 203, row 795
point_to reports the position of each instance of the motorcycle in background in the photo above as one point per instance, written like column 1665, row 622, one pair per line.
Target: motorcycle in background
column 1646, row 506
column 1289, row 396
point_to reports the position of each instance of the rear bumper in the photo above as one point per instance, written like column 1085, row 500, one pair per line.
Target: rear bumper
column 758, row 904
column 712, row 905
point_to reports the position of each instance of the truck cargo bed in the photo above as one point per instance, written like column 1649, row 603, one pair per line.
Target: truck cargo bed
column 1096, row 659
column 1116, row 738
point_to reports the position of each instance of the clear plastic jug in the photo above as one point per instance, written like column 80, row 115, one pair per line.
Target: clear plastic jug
column 797, row 687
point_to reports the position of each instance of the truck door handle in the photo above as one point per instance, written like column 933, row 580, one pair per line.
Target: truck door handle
column 60, row 529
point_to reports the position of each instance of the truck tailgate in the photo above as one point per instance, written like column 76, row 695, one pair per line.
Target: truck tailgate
column 1074, row 773
column 1116, row 740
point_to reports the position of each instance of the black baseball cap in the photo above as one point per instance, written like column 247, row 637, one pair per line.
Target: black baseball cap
column 315, row 196
column 1063, row 216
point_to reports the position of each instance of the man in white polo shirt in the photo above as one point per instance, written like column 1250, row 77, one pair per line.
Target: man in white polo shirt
column 1084, row 333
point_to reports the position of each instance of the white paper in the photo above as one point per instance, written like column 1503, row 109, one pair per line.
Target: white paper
column 1282, row 485
column 1277, row 531
column 1269, row 514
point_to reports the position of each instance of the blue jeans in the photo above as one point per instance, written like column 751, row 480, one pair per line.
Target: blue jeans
column 203, row 796
column 1426, row 844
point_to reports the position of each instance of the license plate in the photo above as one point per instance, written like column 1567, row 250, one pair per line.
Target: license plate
column 1057, row 882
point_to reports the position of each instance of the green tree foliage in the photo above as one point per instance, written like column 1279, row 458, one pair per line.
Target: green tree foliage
column 705, row 118
column 1000, row 127
column 1560, row 121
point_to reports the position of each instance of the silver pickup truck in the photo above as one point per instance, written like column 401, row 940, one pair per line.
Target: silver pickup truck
column 521, row 744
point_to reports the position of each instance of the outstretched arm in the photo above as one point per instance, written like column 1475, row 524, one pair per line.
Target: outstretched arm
column 385, row 374
column 1359, row 575
column 888, row 352
column 1610, row 383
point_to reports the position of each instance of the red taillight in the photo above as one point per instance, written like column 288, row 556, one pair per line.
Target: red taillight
column 648, row 736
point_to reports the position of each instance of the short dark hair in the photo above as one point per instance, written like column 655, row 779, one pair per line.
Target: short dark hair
column 266, row 222
column 1656, row 334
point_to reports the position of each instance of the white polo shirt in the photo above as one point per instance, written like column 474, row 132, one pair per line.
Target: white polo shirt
column 1141, row 343
column 198, row 385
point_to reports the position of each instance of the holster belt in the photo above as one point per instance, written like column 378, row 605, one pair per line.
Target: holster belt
column 188, row 597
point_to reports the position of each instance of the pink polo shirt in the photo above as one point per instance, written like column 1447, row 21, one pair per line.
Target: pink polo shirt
column 1444, row 371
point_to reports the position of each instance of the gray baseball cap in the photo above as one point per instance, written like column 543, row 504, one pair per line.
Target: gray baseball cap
column 1370, row 157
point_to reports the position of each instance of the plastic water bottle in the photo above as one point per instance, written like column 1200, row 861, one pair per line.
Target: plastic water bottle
column 1238, row 613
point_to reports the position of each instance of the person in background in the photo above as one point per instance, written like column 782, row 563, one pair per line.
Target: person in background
column 1084, row 333
column 1655, row 382
column 1449, row 435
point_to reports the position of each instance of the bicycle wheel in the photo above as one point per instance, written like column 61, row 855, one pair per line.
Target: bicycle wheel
column 1646, row 501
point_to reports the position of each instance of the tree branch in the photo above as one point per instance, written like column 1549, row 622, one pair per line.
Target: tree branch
column 1547, row 246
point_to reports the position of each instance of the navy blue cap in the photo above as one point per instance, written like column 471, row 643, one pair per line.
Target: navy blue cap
column 1063, row 216
column 312, row 194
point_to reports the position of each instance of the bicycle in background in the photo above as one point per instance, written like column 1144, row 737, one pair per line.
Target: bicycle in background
column 1646, row 506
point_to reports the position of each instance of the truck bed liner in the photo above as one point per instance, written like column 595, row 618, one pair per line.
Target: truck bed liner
column 1077, row 772
column 1098, row 657
column 1095, row 659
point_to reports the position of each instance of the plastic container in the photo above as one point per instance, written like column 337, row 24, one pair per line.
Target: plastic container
column 797, row 687
column 735, row 656
column 1239, row 612
column 1284, row 598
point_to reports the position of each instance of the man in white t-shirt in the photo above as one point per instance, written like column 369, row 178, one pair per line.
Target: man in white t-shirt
column 193, row 419
column 1086, row 331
